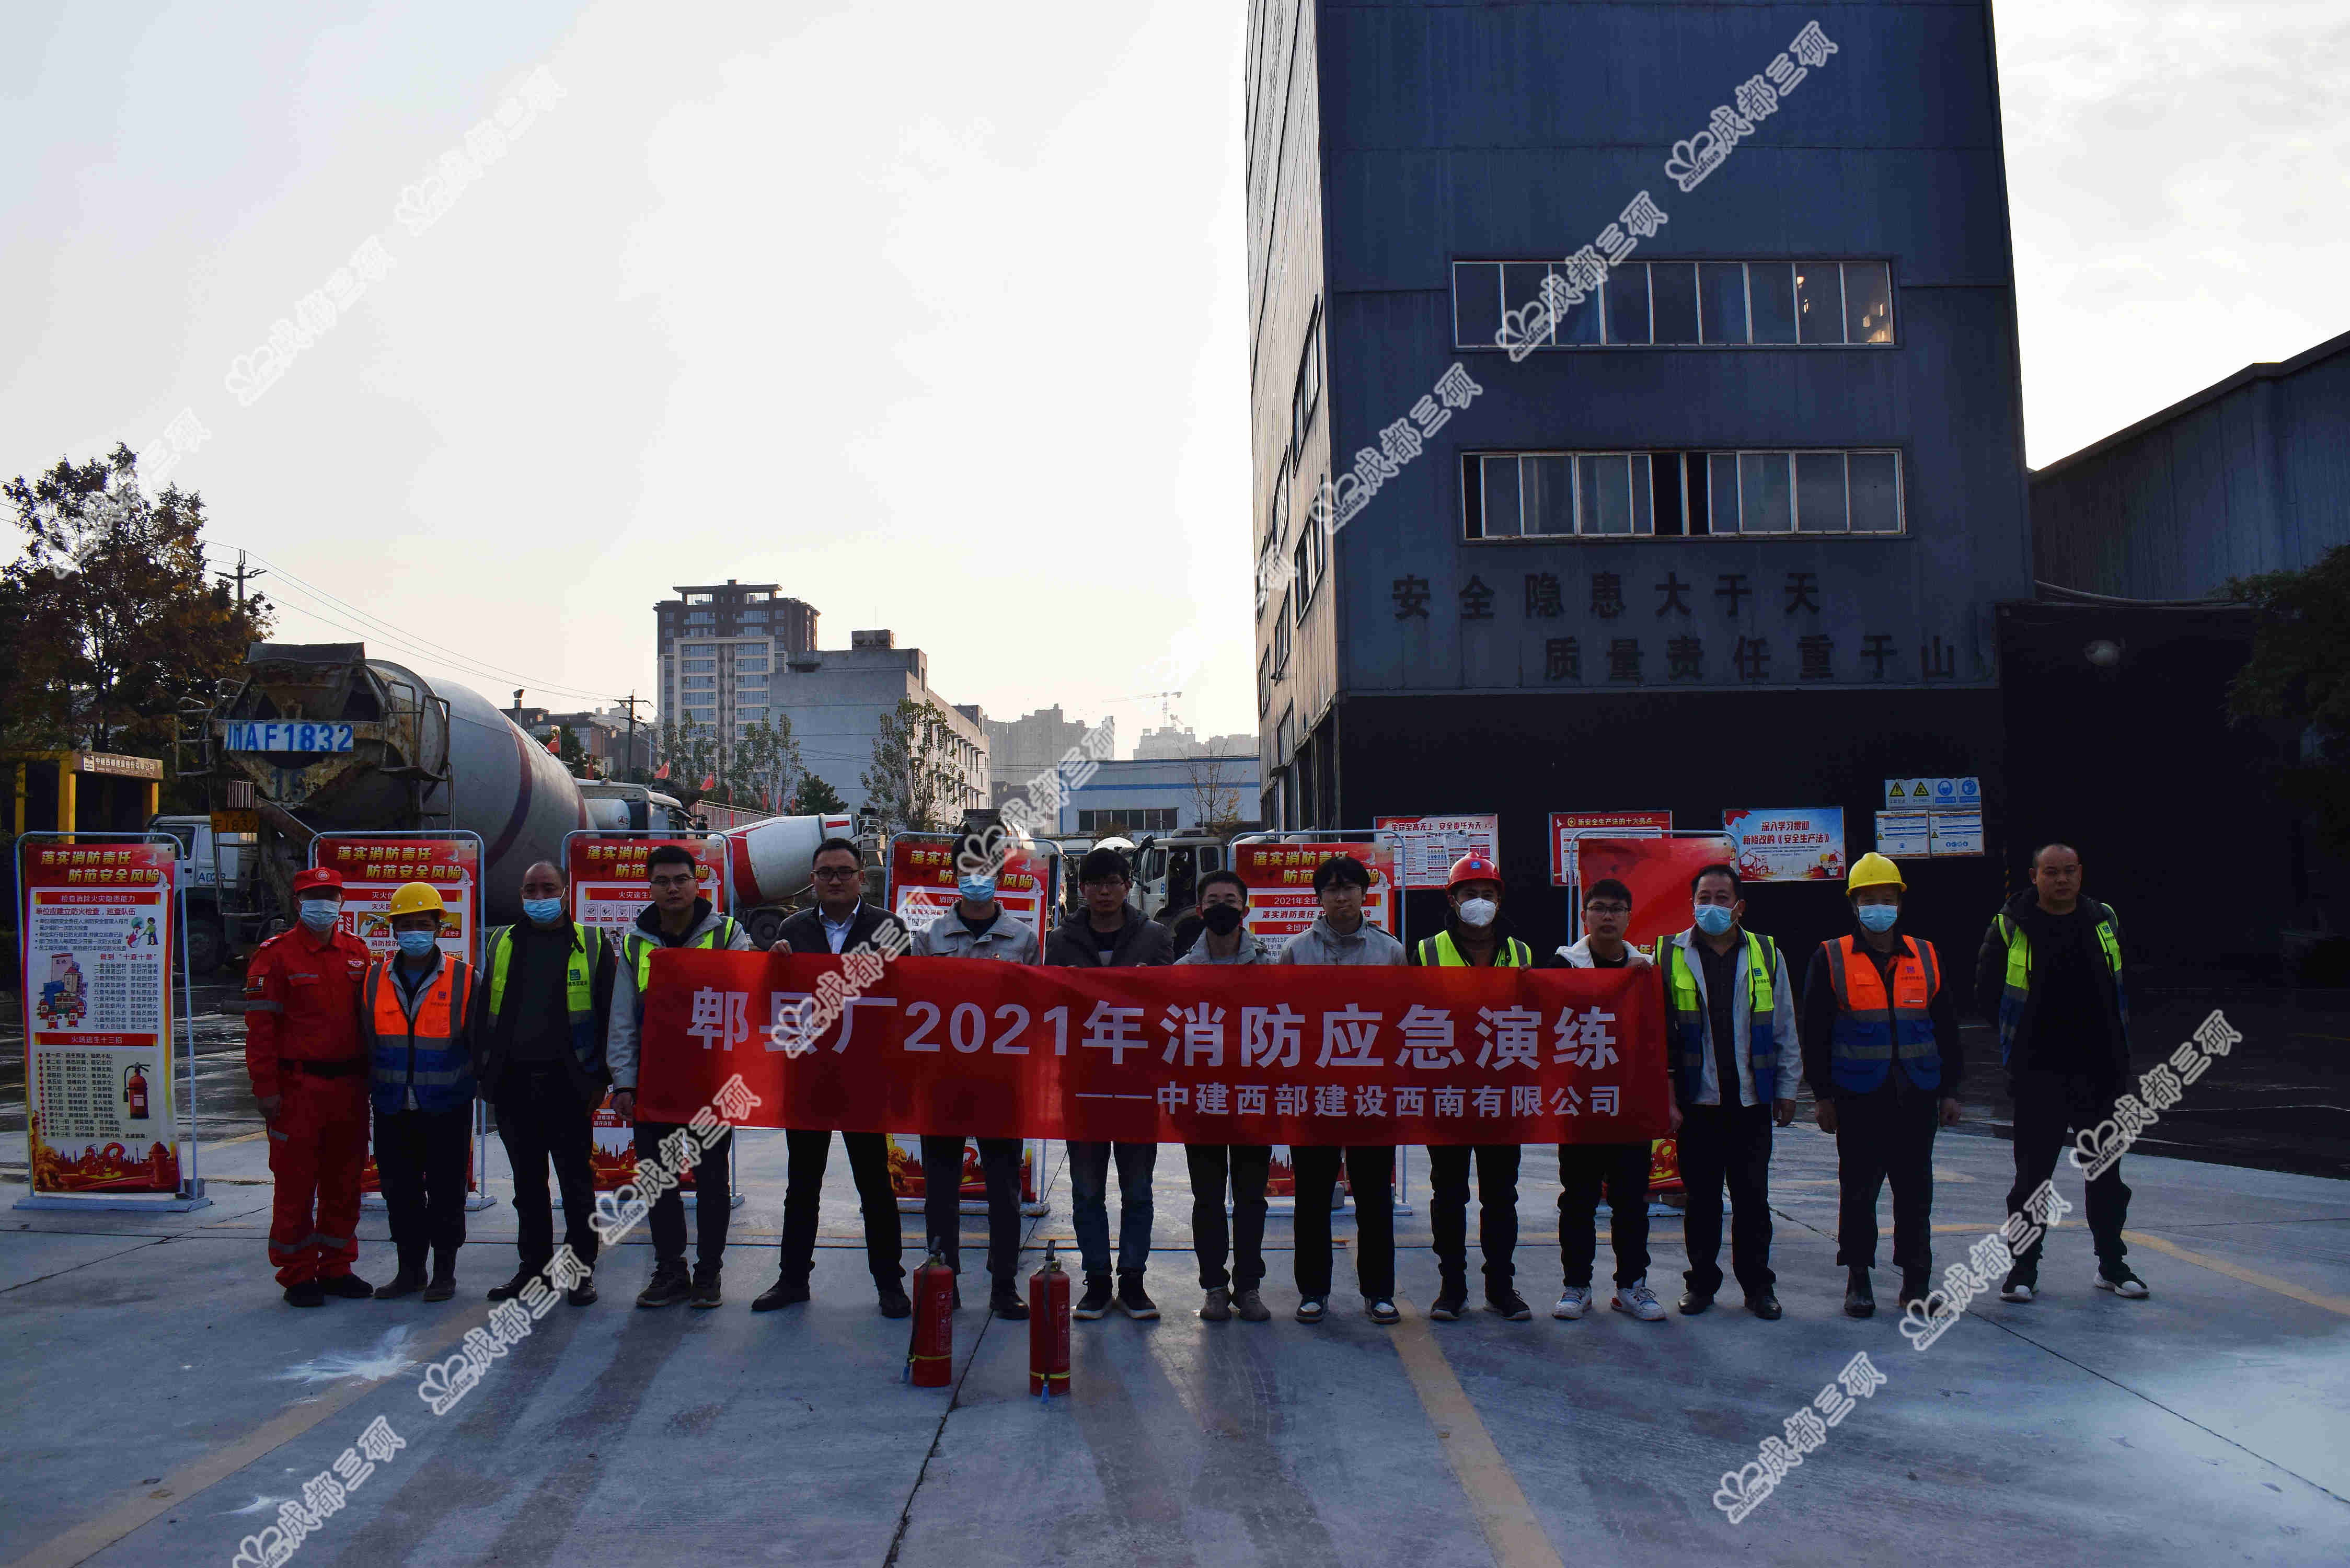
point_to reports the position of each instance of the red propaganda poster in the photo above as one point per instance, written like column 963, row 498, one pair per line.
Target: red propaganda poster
column 96, row 984
column 1568, row 828
column 1241, row 1054
column 1657, row 870
column 1280, row 878
column 373, row 870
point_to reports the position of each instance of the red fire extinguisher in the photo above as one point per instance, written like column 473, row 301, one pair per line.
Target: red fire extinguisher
column 134, row 1093
column 1048, row 1329
column 929, row 1358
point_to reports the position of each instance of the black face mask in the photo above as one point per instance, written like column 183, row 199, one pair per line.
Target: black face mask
column 1222, row 919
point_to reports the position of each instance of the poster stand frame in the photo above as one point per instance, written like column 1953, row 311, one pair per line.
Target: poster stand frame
column 479, row 1199
column 1402, row 934
column 687, row 1196
column 1032, row 1149
column 191, row 1194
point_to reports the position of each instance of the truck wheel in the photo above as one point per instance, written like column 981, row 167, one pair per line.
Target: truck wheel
column 765, row 927
column 203, row 947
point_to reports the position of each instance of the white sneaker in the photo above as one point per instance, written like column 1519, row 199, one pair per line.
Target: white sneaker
column 1573, row 1303
column 1640, row 1301
column 2018, row 1288
column 2119, row 1279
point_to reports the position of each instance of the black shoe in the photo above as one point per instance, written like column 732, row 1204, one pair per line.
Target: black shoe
column 1509, row 1303
column 1005, row 1303
column 1095, row 1302
column 584, row 1293
column 443, row 1285
column 1916, row 1283
column 516, row 1287
column 2021, row 1283
column 1860, row 1297
column 306, row 1295
column 1764, row 1306
column 1132, row 1300
column 1450, row 1297
column 704, row 1293
column 785, row 1292
column 1695, row 1302
column 406, row 1283
column 894, row 1300
column 668, row 1287
column 349, row 1287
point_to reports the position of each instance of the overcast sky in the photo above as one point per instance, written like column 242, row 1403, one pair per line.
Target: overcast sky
column 931, row 312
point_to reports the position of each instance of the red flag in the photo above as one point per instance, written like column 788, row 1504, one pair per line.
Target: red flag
column 709, row 780
column 554, row 741
column 661, row 772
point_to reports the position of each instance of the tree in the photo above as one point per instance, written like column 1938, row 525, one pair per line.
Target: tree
column 1215, row 784
column 570, row 753
column 689, row 750
column 910, row 784
column 765, row 761
column 114, row 622
column 2299, row 672
column 816, row 797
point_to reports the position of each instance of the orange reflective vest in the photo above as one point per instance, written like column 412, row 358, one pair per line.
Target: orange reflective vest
column 428, row 1051
column 1871, row 1028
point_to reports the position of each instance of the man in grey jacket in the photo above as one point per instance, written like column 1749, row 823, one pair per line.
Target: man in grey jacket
column 1341, row 936
column 679, row 916
column 1224, row 939
column 977, row 927
column 1108, row 933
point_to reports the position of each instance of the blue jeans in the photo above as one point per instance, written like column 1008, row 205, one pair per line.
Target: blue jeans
column 1089, row 1208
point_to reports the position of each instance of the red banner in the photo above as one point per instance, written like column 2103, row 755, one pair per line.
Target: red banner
column 1657, row 870
column 1302, row 1054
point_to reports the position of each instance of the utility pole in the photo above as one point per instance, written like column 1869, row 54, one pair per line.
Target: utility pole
column 630, row 702
column 240, row 576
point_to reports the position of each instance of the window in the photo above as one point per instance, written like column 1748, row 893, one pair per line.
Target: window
column 1281, row 636
column 1318, row 534
column 690, row 648
column 1307, row 395
column 1302, row 569
column 701, row 665
column 1679, row 495
column 701, row 715
column 1668, row 304
column 701, row 682
column 1264, row 680
column 753, row 665
column 1132, row 820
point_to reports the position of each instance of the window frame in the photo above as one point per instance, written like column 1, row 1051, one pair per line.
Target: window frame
column 1725, row 507
column 1552, row 343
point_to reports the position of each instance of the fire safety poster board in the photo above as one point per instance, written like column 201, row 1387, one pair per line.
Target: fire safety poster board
column 1566, row 827
column 922, row 879
column 1799, row 844
column 1280, row 878
column 375, row 869
column 1426, row 847
column 607, row 877
column 97, row 982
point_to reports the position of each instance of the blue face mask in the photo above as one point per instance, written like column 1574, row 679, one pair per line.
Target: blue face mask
column 978, row 889
column 1878, row 916
column 318, row 914
column 1713, row 919
column 416, row 944
column 542, row 911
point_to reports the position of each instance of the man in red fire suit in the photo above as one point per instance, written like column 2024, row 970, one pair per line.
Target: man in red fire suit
column 302, row 1050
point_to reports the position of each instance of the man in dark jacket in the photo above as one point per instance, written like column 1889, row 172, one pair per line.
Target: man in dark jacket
column 2050, row 975
column 1880, row 1036
column 840, row 921
column 542, row 1009
column 1108, row 933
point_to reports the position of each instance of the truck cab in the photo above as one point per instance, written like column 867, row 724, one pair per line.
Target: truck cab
column 636, row 806
column 1166, row 873
column 228, row 912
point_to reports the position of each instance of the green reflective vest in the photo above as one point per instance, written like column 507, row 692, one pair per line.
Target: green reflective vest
column 1685, row 1019
column 587, row 950
column 1440, row 950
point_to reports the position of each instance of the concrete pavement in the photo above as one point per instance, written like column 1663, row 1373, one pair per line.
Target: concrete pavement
column 164, row 1402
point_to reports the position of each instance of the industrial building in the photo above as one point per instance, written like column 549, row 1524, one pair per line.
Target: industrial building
column 1021, row 750
column 1167, row 795
column 1731, row 532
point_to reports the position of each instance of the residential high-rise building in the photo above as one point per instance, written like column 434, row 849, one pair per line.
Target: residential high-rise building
column 1021, row 750
column 720, row 645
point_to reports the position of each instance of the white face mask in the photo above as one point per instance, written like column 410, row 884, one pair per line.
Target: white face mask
column 1478, row 911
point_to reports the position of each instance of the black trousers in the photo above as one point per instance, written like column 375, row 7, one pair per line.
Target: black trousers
column 2049, row 1107
column 805, row 1153
column 712, row 1200
column 543, row 1119
column 999, row 1165
column 1248, row 1165
column 420, row 1163
column 1886, row 1135
column 1497, row 1209
column 1622, row 1169
column 1371, row 1171
column 1732, row 1144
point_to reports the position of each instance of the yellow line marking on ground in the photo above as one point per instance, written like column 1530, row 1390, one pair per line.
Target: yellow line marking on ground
column 86, row 1540
column 2266, row 1281
column 241, row 1138
column 1495, row 1499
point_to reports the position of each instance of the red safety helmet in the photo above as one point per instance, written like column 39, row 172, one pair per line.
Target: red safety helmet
column 1472, row 868
column 317, row 877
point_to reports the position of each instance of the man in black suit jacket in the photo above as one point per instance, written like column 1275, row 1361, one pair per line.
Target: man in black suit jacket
column 841, row 923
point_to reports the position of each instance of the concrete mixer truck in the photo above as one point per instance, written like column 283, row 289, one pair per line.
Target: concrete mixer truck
column 329, row 740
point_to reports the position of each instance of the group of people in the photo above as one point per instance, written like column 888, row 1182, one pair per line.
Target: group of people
column 554, row 1020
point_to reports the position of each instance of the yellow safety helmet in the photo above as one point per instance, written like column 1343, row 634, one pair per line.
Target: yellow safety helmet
column 416, row 898
column 1874, row 870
